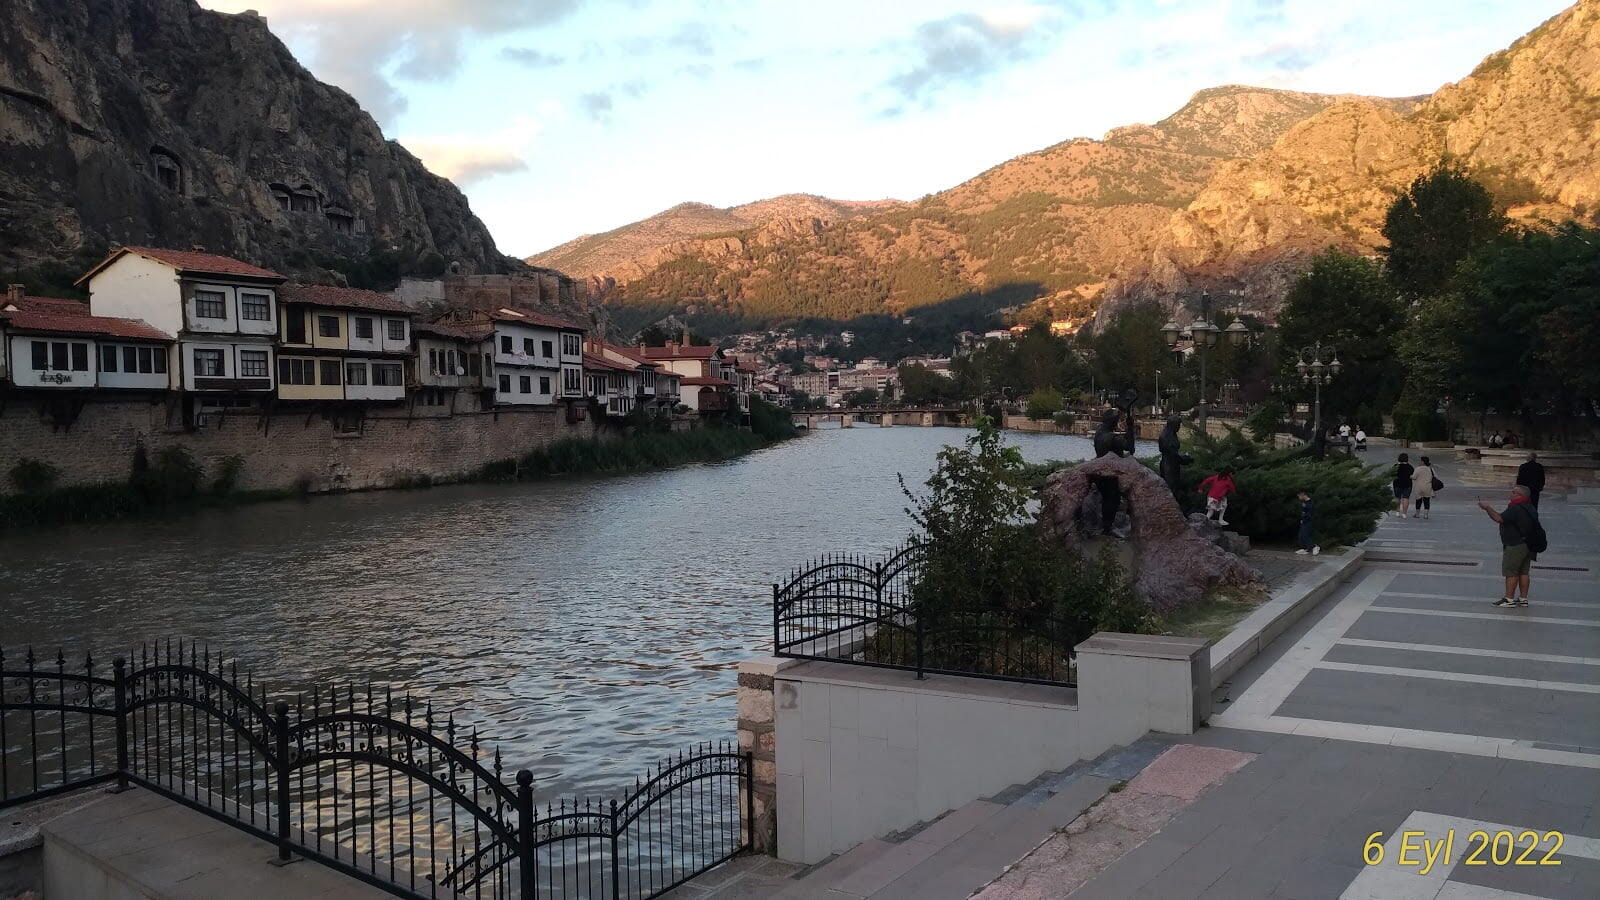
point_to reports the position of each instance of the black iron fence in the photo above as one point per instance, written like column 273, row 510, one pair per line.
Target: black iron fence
column 875, row 612
column 374, row 785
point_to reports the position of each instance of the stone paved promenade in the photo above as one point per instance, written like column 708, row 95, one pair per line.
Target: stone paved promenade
column 1404, row 702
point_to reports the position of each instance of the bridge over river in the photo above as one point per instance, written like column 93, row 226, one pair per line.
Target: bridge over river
column 886, row 416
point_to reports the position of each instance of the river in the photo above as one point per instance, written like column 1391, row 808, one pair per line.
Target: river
column 586, row 626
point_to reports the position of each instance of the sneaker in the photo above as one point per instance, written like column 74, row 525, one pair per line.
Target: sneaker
column 1222, row 521
column 1505, row 602
column 1317, row 550
column 1522, row 601
column 1302, row 552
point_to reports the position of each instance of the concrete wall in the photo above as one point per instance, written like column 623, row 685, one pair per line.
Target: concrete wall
column 860, row 752
column 281, row 450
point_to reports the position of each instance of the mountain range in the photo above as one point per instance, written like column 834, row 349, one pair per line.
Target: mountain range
column 1233, row 192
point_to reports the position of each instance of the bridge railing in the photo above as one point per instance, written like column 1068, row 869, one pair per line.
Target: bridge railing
column 875, row 612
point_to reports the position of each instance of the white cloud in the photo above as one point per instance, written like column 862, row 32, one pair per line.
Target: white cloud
column 356, row 44
column 968, row 47
column 468, row 160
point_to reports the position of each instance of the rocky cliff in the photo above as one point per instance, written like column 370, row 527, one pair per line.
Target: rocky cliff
column 158, row 122
column 1235, row 190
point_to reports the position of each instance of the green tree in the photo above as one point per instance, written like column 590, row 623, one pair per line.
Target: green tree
column 1043, row 403
column 1345, row 302
column 921, row 385
column 1130, row 349
column 1439, row 221
column 860, row 398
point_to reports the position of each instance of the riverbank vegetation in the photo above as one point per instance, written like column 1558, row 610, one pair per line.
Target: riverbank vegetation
column 172, row 481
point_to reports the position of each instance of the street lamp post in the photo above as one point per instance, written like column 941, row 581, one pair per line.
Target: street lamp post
column 1317, row 373
column 1204, row 335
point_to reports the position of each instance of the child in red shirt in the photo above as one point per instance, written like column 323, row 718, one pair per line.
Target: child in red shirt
column 1217, row 488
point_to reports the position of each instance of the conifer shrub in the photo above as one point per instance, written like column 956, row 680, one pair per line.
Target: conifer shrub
column 33, row 476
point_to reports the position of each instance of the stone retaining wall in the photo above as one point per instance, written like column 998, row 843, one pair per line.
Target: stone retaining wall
column 285, row 450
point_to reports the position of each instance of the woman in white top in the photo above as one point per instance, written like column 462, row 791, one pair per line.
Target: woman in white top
column 1422, row 488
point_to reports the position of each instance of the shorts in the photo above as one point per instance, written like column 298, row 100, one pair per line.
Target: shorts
column 1402, row 491
column 1515, row 560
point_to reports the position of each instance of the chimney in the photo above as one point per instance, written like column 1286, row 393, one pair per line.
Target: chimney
column 13, row 293
column 197, row 248
column 674, row 348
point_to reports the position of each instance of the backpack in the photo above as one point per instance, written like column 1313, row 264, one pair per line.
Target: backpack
column 1535, row 536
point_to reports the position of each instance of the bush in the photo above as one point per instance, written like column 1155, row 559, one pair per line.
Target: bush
column 1349, row 496
column 770, row 421
column 227, row 478
column 1264, row 420
column 1064, row 419
column 1043, row 403
column 31, row 476
column 1421, row 426
column 174, row 476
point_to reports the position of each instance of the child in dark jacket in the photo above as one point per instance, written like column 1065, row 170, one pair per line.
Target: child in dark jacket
column 1307, row 514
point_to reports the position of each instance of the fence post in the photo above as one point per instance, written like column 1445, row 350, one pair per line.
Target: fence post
column 280, row 727
column 750, row 800
column 529, row 887
column 776, row 637
column 119, row 675
column 616, row 868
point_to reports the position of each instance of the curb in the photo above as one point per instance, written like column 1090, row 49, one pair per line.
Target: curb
column 1272, row 618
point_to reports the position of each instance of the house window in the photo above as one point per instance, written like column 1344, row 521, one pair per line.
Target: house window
column 355, row 373
column 210, row 305
column 208, row 363
column 571, row 345
column 549, row 348
column 130, row 359
column 525, row 384
column 108, row 358
column 450, row 362
column 158, row 357
column 363, row 328
column 253, row 364
column 330, row 371
column 387, row 375
column 146, row 362
column 328, row 326
column 41, row 356
column 254, row 307
column 488, row 363
column 505, row 343
column 295, row 326
column 433, row 362
column 505, row 384
column 571, row 381
column 297, row 371
column 527, row 346
column 544, row 384
column 397, row 329
column 474, row 365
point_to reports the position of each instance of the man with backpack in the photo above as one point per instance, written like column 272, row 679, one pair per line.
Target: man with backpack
column 1522, row 539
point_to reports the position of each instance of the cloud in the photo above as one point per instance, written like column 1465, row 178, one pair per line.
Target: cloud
column 356, row 44
column 597, row 105
column 968, row 47
column 468, row 160
column 532, row 58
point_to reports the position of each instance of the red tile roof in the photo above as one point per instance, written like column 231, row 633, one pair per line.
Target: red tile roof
column 80, row 324
column 696, row 380
column 678, row 352
column 629, row 354
column 455, row 331
column 57, row 305
column 534, row 317
column 342, row 298
column 192, row 261
column 595, row 362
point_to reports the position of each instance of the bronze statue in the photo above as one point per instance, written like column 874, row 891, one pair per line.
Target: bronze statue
column 1110, row 442
column 1172, row 457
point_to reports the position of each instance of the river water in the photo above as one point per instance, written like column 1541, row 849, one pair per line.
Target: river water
column 587, row 626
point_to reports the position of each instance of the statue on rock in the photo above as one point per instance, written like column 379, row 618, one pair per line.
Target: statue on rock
column 1173, row 458
column 1110, row 442
column 1173, row 564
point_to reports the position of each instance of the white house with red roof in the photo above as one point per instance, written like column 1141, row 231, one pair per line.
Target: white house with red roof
column 57, row 345
column 339, row 343
column 223, row 312
column 538, row 358
column 704, row 374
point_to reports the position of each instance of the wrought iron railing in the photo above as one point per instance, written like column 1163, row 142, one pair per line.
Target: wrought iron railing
column 872, row 612
column 358, row 779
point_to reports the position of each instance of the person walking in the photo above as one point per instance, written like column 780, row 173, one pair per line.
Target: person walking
column 1495, row 440
column 1361, row 439
column 1303, row 541
column 1403, row 470
column 1522, row 539
column 1422, row 488
column 1531, row 476
column 1217, row 488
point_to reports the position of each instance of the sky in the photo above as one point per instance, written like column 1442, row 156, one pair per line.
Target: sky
column 567, row 117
